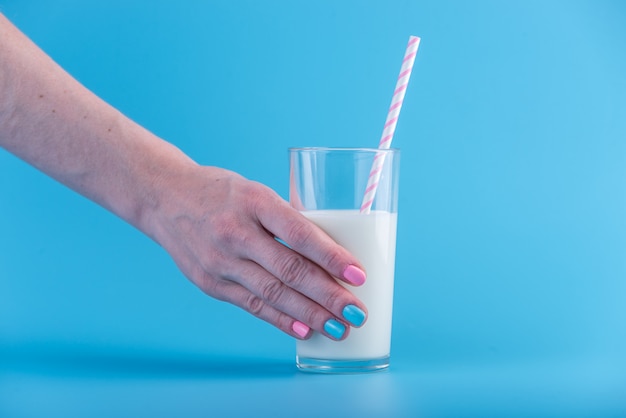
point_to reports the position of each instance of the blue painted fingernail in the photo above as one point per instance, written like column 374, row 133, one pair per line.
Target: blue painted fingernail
column 334, row 328
column 354, row 315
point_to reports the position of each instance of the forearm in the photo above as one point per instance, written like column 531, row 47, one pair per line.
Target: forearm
column 54, row 123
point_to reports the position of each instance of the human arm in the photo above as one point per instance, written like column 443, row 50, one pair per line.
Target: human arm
column 218, row 227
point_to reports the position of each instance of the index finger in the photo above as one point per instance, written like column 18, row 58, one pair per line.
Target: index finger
column 306, row 238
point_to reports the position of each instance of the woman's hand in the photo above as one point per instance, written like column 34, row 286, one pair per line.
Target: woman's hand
column 220, row 230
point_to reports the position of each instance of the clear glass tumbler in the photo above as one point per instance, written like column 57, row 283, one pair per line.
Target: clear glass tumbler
column 328, row 186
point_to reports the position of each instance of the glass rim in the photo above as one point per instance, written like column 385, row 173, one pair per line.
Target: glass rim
column 353, row 149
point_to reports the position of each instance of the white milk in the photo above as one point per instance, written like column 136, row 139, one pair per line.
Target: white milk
column 371, row 238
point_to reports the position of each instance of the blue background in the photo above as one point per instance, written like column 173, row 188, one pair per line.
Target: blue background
column 511, row 264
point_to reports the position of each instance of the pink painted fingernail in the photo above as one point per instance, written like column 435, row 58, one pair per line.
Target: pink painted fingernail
column 301, row 329
column 354, row 275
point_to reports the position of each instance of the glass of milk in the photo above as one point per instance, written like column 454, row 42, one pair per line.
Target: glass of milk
column 328, row 186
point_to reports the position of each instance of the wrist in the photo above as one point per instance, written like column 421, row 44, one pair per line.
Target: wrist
column 156, row 181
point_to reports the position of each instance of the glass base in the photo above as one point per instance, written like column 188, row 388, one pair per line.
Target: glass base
column 314, row 365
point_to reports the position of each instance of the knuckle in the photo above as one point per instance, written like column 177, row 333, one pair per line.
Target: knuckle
column 254, row 305
column 206, row 282
column 254, row 190
column 215, row 287
column 331, row 259
column 310, row 315
column 299, row 234
column 294, row 269
column 213, row 264
column 212, row 287
column 273, row 291
column 335, row 298
column 256, row 196
column 229, row 232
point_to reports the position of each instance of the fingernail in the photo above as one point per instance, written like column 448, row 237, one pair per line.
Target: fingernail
column 354, row 315
column 301, row 329
column 354, row 275
column 334, row 328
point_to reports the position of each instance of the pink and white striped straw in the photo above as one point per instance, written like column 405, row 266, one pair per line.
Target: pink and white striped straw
column 390, row 123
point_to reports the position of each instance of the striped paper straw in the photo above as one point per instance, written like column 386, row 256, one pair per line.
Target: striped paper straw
column 390, row 123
